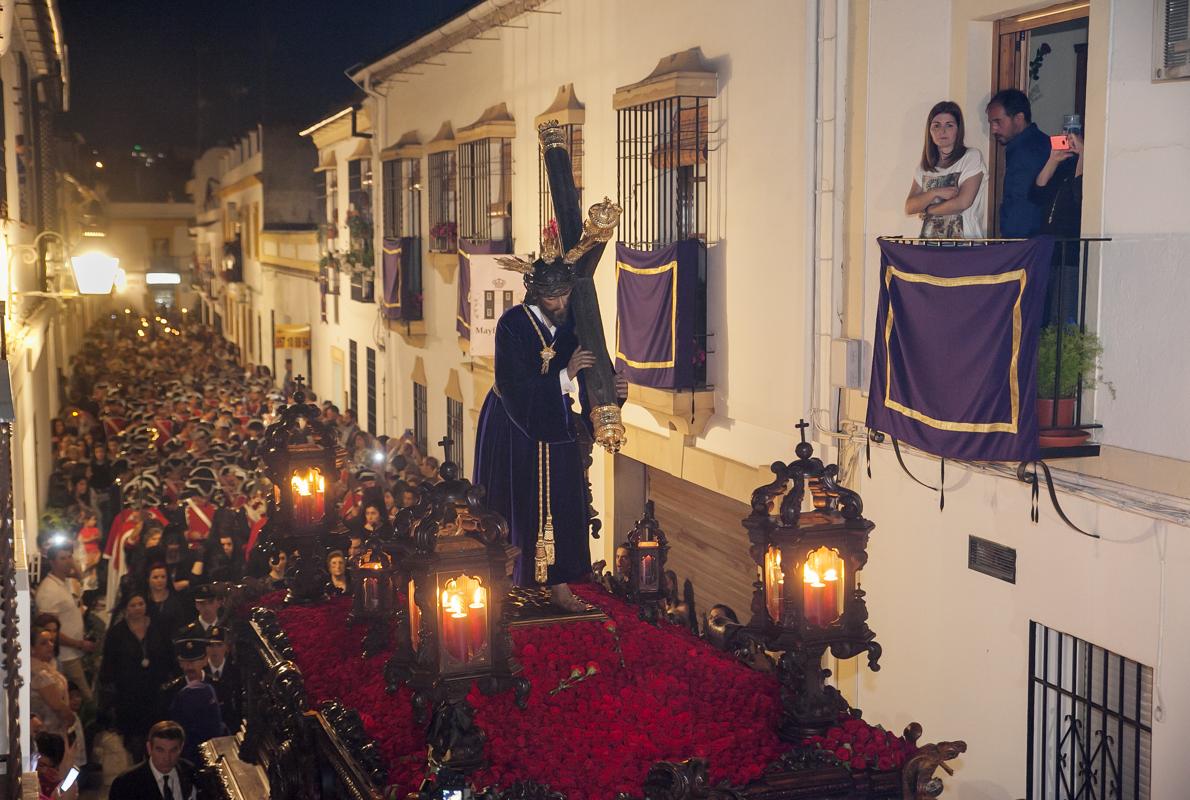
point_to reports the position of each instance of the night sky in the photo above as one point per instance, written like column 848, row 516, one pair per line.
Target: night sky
column 178, row 76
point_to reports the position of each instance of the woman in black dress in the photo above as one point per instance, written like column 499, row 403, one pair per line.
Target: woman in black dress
column 166, row 607
column 137, row 660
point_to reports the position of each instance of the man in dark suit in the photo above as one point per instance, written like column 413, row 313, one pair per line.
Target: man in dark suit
column 223, row 675
column 164, row 775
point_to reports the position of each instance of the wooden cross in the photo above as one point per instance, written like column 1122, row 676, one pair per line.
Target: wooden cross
column 446, row 443
column 801, row 426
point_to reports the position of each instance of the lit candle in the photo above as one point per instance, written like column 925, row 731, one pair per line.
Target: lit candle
column 477, row 623
column 371, row 589
column 648, row 570
column 813, row 595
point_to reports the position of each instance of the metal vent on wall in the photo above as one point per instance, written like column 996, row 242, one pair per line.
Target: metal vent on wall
column 991, row 558
column 1171, row 45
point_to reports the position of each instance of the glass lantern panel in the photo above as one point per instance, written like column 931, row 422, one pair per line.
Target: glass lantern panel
column 463, row 605
column 822, row 586
column 774, row 583
column 414, row 618
column 650, row 578
column 308, row 491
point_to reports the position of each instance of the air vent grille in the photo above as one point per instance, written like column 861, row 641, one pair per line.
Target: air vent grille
column 991, row 558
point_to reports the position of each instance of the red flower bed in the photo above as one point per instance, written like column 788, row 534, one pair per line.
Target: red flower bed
column 674, row 698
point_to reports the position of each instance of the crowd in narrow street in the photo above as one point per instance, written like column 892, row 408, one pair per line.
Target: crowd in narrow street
column 156, row 508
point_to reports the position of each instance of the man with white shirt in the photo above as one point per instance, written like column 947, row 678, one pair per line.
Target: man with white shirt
column 56, row 596
column 528, row 455
column 165, row 774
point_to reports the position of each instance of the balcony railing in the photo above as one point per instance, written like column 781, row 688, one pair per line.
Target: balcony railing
column 1068, row 354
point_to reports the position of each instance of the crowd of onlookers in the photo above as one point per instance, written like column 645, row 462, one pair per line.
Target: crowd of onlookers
column 157, row 504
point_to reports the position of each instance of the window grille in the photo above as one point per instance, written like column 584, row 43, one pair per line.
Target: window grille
column 370, row 367
column 662, row 151
column 454, row 429
column 353, row 377
column 402, row 197
column 1090, row 720
column 332, row 193
column 359, row 185
column 420, row 412
column 443, row 202
column 545, row 205
column 1171, row 48
column 485, row 190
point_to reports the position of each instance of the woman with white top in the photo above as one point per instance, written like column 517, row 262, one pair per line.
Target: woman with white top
column 949, row 189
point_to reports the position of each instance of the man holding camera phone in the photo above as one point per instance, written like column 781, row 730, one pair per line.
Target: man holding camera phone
column 1026, row 148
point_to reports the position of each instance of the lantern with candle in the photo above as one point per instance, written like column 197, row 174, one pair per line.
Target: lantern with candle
column 374, row 597
column 809, row 552
column 453, row 632
column 646, row 548
column 301, row 457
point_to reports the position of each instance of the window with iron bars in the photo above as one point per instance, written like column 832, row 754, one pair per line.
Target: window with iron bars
column 545, row 204
column 420, row 413
column 402, row 197
column 443, row 202
column 485, row 190
column 353, row 377
column 370, row 366
column 360, row 256
column 661, row 177
column 454, row 429
column 1090, row 720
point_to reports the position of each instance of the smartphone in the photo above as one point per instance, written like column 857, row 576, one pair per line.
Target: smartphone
column 68, row 781
column 1061, row 142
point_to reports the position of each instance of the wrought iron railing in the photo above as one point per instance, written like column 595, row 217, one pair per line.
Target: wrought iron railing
column 1068, row 352
column 1090, row 720
column 9, row 618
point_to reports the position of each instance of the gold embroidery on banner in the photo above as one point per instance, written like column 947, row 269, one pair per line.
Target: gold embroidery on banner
column 1014, row 393
column 673, row 315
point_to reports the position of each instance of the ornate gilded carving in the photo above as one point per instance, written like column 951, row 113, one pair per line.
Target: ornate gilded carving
column 598, row 228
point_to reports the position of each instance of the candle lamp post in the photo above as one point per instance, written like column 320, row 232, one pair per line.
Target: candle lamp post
column 374, row 599
column 646, row 548
column 808, row 597
column 453, row 631
column 301, row 457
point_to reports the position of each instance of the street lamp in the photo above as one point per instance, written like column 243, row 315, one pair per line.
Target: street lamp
column 94, row 272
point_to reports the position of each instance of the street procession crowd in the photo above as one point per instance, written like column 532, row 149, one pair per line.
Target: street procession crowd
column 156, row 505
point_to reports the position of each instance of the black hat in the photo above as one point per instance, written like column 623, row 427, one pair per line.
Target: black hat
column 216, row 633
column 205, row 591
column 190, row 644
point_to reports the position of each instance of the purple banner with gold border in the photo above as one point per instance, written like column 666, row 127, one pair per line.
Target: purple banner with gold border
column 954, row 366
column 463, row 301
column 656, row 308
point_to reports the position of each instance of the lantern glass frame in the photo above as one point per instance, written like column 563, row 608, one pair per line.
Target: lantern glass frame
column 465, row 633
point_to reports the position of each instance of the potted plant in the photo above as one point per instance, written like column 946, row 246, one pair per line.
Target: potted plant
column 1080, row 359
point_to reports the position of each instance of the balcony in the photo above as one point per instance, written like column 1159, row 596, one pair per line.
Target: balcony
column 1068, row 353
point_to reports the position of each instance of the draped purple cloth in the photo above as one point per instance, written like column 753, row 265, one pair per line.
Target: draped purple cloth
column 402, row 287
column 463, row 305
column 656, row 309
column 954, row 366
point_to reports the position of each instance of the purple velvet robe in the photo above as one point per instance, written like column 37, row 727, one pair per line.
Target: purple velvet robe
column 524, row 408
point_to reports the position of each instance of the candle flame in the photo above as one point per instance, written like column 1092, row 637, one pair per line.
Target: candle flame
column 477, row 598
column 831, row 574
column 810, row 575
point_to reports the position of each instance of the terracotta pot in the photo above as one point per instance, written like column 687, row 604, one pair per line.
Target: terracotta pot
column 1045, row 413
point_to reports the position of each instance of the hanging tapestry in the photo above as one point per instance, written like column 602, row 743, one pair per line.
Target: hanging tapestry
column 467, row 248
column 954, row 365
column 402, row 279
column 657, row 296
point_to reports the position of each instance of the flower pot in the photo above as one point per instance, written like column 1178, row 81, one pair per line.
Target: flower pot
column 1045, row 413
